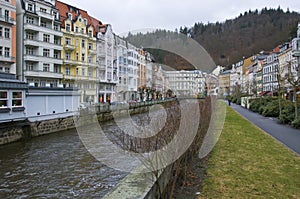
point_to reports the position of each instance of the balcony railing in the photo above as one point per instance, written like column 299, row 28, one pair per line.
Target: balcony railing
column 40, row 73
column 36, row 27
column 46, row 15
column 69, row 47
column 36, row 58
column 7, row 59
column 7, row 19
column 93, row 51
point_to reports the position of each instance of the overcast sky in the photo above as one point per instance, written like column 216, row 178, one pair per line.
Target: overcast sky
column 130, row 15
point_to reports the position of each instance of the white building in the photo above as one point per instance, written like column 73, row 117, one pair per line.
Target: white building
column 39, row 36
column 132, row 71
column 122, row 66
column 13, row 105
column 8, row 36
column 270, row 71
column 107, row 63
column 186, row 83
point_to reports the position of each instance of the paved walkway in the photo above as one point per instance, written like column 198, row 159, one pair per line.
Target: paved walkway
column 285, row 134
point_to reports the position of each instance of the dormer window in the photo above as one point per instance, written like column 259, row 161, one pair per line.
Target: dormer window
column 68, row 27
column 55, row 15
column 30, row 7
column 70, row 16
column 85, row 22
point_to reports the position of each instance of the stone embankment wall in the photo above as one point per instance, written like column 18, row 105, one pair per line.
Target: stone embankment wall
column 20, row 130
column 15, row 131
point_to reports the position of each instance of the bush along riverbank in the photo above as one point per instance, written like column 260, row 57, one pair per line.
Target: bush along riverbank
column 284, row 110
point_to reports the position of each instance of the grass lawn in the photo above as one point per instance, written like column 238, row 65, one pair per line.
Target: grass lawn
column 247, row 163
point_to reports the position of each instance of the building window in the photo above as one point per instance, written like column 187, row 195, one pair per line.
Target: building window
column 77, row 71
column 29, row 50
column 29, row 20
column 6, row 69
column 3, row 99
column 56, row 27
column 85, row 22
column 56, row 68
column 6, row 15
column 82, row 57
column 46, row 67
column 90, row 73
column 29, row 35
column 67, row 70
column 1, row 50
column 46, row 52
column 90, row 59
column 6, row 52
column 29, row 66
column 68, row 27
column 1, row 31
column 44, row 10
column 70, row 16
column 55, row 15
column 30, row 7
column 57, row 41
column 90, row 33
column 68, row 40
column 76, row 29
column 82, row 30
column 82, row 44
column 17, row 99
column 83, row 72
column 7, row 32
column 43, row 24
column 68, row 56
column 77, row 56
column 46, row 38
column 56, row 54
column 90, row 46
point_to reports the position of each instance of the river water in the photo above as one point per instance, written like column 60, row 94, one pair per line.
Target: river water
column 53, row 166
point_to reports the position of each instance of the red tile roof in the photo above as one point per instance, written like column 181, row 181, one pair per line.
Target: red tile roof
column 64, row 9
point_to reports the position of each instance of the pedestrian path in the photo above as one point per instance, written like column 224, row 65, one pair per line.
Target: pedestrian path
column 287, row 135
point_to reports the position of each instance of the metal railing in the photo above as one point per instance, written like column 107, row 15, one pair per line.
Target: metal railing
column 106, row 107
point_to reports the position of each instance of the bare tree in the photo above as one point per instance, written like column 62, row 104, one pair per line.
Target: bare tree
column 293, row 77
column 281, row 78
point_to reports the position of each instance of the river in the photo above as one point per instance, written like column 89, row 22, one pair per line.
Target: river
column 53, row 166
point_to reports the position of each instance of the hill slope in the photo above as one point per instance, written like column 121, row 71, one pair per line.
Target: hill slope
column 228, row 42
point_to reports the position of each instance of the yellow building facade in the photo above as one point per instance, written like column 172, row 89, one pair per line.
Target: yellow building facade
column 79, row 52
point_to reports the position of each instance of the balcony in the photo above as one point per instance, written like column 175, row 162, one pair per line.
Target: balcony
column 31, row 57
column 46, row 74
column 38, row 28
column 45, row 15
column 31, row 42
column 69, row 47
column 92, row 51
column 7, row 59
column 7, row 19
column 70, row 62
